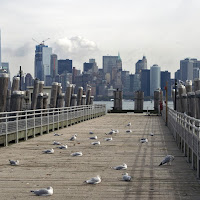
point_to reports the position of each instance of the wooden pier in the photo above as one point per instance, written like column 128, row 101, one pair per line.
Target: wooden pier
column 66, row 174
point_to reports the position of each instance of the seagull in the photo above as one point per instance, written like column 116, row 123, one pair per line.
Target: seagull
column 126, row 177
column 110, row 133
column 168, row 159
column 124, row 166
column 56, row 134
column 13, row 162
column 108, row 139
column 94, row 180
column 115, row 131
column 151, row 134
column 77, row 154
column 43, row 192
column 129, row 124
column 96, row 143
column 62, row 147
column 129, row 131
column 91, row 132
column 73, row 137
column 56, row 143
column 143, row 140
column 49, row 151
column 93, row 138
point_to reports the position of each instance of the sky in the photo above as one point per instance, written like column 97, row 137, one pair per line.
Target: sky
column 164, row 31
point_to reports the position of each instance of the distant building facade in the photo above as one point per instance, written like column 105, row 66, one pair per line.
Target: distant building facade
column 186, row 69
column 54, row 66
column 42, row 61
column 165, row 77
column 64, row 66
column 154, row 79
column 145, row 81
column 140, row 65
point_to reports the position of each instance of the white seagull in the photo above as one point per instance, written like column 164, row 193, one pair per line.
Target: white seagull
column 73, row 137
column 56, row 143
column 143, row 140
column 77, row 154
column 124, row 166
column 56, row 134
column 126, row 177
column 91, row 132
column 14, row 162
column 108, row 139
column 43, row 192
column 94, row 180
column 49, row 151
column 168, row 159
column 115, row 131
column 62, row 147
column 96, row 143
column 151, row 134
column 93, row 138
column 129, row 124
column 129, row 131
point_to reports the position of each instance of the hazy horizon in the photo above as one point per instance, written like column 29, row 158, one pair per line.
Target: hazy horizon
column 164, row 31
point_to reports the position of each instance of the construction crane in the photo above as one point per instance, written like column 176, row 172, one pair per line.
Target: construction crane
column 40, row 43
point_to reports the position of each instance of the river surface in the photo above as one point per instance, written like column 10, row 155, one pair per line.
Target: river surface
column 129, row 105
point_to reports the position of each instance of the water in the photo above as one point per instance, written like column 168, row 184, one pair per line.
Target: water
column 129, row 105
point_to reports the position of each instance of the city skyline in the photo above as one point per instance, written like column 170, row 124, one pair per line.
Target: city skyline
column 91, row 29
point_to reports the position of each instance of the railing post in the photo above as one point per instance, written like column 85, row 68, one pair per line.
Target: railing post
column 26, row 122
column 41, row 124
column 48, row 120
column 6, row 142
column 17, row 128
column 53, row 119
column 58, row 111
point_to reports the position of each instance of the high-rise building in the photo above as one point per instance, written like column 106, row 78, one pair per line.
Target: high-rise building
column 186, row 69
column 28, row 80
column 196, row 73
column 42, row 61
column 125, row 81
column 165, row 77
column 135, row 83
column 64, row 66
column 109, row 62
column 87, row 67
column 177, row 75
column 54, row 66
column 154, row 79
column 145, row 81
column 141, row 64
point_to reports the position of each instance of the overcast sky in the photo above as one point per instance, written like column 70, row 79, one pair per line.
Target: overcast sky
column 165, row 31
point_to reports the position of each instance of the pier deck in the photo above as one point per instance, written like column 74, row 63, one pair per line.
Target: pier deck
column 66, row 174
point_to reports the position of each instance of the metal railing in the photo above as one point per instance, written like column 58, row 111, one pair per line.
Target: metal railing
column 186, row 132
column 14, row 122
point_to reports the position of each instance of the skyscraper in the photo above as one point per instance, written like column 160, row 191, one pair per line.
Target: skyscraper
column 165, row 77
column 154, row 79
column 141, row 64
column 54, row 66
column 186, row 69
column 64, row 66
column 145, row 81
column 109, row 62
column 42, row 61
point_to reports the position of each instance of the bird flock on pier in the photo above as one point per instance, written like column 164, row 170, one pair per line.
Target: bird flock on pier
column 97, row 179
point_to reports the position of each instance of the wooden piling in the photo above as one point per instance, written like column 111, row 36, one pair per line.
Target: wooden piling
column 4, row 79
column 35, row 94
column 79, row 96
column 54, row 90
column 88, row 96
column 74, row 100
column 68, row 94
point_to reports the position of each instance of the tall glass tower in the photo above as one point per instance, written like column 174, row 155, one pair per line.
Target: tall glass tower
column 42, row 61
column 154, row 79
